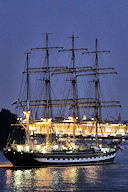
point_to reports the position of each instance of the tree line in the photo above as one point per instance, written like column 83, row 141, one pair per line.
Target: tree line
column 6, row 119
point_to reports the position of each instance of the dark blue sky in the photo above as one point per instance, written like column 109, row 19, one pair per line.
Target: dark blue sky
column 23, row 22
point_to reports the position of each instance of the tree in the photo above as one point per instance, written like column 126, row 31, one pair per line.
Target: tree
column 6, row 119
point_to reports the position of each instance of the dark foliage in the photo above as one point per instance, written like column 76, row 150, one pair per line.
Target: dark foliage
column 6, row 119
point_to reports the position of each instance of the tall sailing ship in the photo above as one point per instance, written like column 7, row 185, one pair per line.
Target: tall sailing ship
column 26, row 147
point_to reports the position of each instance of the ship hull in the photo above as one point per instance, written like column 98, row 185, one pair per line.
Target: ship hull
column 39, row 159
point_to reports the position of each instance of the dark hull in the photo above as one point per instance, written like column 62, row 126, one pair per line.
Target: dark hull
column 39, row 159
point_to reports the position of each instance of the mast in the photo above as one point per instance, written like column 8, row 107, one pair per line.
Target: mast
column 47, row 71
column 74, row 87
column 27, row 112
column 27, row 58
column 73, row 80
column 47, row 82
column 96, row 92
column 96, row 81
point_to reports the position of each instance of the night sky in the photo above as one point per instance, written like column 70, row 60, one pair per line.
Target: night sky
column 22, row 24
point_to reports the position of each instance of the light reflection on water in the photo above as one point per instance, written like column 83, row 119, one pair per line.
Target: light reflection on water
column 53, row 178
column 112, row 177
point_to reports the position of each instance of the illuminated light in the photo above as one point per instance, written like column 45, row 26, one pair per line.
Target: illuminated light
column 49, row 120
column 55, row 147
column 26, row 112
column 9, row 149
column 70, row 117
column 43, row 119
column 38, row 147
column 32, row 128
column 121, row 130
column 108, row 130
column 19, row 119
column 84, row 117
column 19, row 148
column 27, row 148
column 44, row 150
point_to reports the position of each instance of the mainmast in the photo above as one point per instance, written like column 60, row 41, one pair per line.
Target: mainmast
column 73, row 71
column 73, row 80
column 74, row 86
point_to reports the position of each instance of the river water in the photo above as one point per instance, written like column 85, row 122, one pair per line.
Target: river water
column 111, row 177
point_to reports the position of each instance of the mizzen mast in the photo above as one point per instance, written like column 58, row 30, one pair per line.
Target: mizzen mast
column 96, row 81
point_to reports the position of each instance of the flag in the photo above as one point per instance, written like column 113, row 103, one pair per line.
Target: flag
column 14, row 103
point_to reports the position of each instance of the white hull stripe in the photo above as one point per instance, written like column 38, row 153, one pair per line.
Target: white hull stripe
column 75, row 160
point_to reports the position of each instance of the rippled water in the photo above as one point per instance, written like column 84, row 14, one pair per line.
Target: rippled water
column 111, row 177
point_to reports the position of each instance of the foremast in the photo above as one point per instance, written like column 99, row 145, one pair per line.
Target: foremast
column 47, row 85
column 27, row 112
